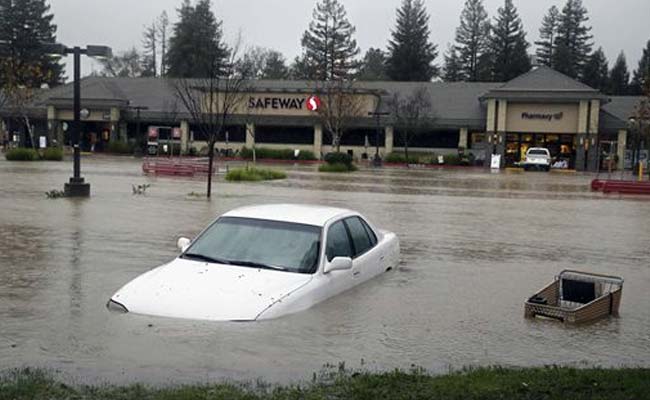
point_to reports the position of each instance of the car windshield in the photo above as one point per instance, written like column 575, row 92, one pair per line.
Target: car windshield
column 537, row 153
column 259, row 244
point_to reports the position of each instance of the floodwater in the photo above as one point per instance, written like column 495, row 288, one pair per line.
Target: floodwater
column 474, row 245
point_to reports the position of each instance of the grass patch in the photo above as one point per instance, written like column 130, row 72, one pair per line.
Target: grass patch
column 483, row 383
column 254, row 175
column 337, row 167
column 21, row 154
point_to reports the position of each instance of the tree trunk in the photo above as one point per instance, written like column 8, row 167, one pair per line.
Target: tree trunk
column 210, row 165
column 254, row 156
column 30, row 131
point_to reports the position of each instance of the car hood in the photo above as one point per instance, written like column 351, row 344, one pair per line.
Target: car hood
column 199, row 290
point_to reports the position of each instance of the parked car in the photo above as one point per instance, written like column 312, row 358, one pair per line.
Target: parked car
column 263, row 262
column 537, row 158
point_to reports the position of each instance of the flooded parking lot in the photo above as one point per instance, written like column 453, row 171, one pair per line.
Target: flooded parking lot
column 475, row 245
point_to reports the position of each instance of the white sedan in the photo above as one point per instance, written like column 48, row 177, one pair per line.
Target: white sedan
column 263, row 262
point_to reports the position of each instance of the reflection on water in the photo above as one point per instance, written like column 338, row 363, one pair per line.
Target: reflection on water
column 475, row 245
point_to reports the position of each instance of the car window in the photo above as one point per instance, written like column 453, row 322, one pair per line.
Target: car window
column 338, row 242
column 537, row 152
column 371, row 233
column 360, row 238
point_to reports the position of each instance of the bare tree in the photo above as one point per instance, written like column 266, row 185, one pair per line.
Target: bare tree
column 411, row 115
column 340, row 106
column 211, row 102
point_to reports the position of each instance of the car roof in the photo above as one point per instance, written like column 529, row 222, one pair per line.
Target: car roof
column 298, row 213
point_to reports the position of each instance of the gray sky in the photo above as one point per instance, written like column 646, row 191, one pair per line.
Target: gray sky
column 279, row 24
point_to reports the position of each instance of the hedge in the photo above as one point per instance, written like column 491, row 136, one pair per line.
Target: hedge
column 21, row 154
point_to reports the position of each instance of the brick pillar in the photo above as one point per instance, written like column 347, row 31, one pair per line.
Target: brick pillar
column 621, row 147
column 185, row 137
column 388, row 140
column 318, row 140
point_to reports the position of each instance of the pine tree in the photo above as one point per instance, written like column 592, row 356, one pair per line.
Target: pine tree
column 641, row 81
column 328, row 44
column 452, row 70
column 163, row 33
column 301, row 69
column 472, row 41
column 410, row 52
column 275, row 66
column 196, row 49
column 596, row 72
column 548, row 37
column 573, row 40
column 508, row 45
column 373, row 66
column 25, row 27
column 150, row 45
column 619, row 77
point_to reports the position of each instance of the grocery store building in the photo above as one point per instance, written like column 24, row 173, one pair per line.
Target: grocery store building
column 542, row 108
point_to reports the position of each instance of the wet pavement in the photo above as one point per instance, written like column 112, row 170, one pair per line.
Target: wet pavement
column 475, row 245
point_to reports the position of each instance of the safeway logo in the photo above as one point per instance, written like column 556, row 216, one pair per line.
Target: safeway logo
column 313, row 103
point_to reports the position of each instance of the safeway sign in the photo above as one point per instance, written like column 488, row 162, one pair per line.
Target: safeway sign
column 286, row 103
column 313, row 103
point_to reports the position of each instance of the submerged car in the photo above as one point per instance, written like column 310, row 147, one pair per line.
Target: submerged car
column 263, row 262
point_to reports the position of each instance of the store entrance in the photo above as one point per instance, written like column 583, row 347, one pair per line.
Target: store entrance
column 561, row 147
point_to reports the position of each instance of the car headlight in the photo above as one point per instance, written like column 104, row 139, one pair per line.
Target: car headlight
column 114, row 306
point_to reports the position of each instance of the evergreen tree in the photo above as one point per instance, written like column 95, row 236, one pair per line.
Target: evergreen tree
column 329, row 46
column 508, row 45
column 373, row 66
column 196, row 49
column 251, row 64
column 275, row 66
column 150, row 45
column 301, row 69
column 410, row 53
column 472, row 41
column 548, row 37
column 641, row 81
column 596, row 73
column 619, row 77
column 25, row 27
column 452, row 70
column 573, row 40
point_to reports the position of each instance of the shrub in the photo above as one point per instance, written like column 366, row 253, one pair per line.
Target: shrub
column 21, row 154
column 262, row 153
column 118, row 147
column 338, row 158
column 400, row 158
column 254, row 174
column 452, row 159
column 52, row 154
column 337, row 167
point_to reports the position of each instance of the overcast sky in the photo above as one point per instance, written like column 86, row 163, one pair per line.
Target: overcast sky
column 279, row 24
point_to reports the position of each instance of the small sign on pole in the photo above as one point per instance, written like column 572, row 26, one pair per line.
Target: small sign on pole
column 42, row 142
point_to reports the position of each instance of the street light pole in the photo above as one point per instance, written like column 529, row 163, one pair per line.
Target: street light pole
column 377, row 114
column 77, row 187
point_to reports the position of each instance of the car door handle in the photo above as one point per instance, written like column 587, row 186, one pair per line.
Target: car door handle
column 356, row 273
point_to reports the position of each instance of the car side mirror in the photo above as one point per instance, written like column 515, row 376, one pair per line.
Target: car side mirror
column 183, row 243
column 338, row 264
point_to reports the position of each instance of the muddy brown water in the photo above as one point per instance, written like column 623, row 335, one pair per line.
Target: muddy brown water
column 474, row 246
